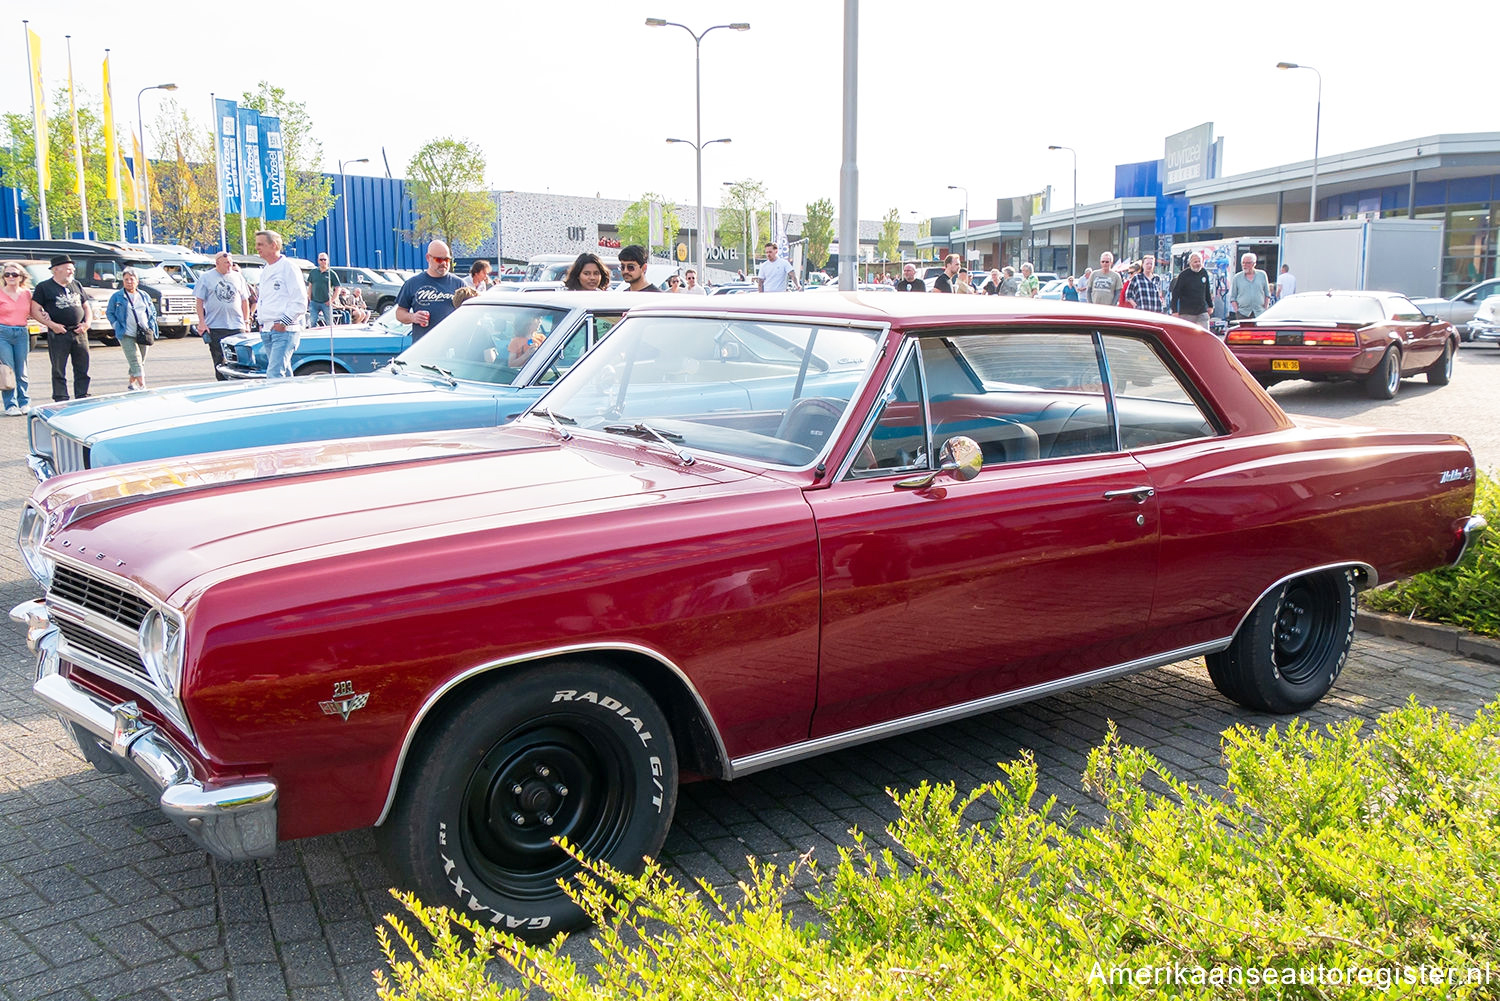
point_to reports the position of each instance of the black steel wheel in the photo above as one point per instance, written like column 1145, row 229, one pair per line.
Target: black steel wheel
column 1385, row 378
column 1440, row 372
column 572, row 750
column 1291, row 647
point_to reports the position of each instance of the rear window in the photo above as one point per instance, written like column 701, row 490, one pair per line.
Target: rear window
column 1320, row 307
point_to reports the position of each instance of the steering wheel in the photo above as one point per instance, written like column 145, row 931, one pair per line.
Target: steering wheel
column 810, row 420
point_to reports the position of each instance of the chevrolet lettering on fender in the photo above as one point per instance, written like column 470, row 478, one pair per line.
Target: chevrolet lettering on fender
column 732, row 535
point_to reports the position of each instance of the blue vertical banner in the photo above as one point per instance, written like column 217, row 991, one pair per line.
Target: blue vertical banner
column 273, row 167
column 254, row 187
column 227, row 129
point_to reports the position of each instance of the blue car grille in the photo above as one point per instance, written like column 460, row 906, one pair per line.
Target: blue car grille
column 68, row 454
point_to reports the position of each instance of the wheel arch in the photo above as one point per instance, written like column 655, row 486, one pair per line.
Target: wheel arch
column 1365, row 577
column 700, row 747
column 337, row 366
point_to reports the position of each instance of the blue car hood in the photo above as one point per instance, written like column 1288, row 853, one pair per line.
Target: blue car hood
column 205, row 417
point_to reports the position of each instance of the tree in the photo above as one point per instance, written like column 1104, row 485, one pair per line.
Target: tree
column 889, row 245
column 744, row 218
column 184, row 180
column 924, row 229
column 449, row 199
column 635, row 222
column 819, row 232
column 18, row 168
column 309, row 194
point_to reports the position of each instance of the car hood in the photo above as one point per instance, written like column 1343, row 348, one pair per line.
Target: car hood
column 174, row 528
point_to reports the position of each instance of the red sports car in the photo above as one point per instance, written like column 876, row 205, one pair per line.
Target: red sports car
column 739, row 532
column 1378, row 338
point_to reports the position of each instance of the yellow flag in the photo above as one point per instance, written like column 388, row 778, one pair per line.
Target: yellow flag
column 77, row 145
column 39, row 110
column 112, row 178
column 140, row 158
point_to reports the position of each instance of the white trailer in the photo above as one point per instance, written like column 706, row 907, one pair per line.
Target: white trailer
column 1386, row 255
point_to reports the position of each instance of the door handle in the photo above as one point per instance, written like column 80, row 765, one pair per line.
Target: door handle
column 1139, row 494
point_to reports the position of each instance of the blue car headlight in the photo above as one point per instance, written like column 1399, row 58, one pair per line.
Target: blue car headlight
column 31, row 533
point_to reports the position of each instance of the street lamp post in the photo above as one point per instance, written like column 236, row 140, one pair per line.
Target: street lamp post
column 1073, row 240
column 1312, row 207
column 698, row 144
column 344, row 203
column 146, row 159
column 960, row 187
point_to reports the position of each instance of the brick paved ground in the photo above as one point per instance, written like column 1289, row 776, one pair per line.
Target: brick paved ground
column 101, row 898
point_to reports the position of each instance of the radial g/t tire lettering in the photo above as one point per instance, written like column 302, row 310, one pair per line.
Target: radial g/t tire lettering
column 571, row 749
column 1292, row 646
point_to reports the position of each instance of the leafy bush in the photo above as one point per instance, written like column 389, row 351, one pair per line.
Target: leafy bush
column 1326, row 855
column 1467, row 595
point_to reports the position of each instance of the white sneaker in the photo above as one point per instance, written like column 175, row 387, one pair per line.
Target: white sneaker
column 13, row 411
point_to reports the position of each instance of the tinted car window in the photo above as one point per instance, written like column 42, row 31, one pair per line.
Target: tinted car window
column 480, row 341
column 1153, row 406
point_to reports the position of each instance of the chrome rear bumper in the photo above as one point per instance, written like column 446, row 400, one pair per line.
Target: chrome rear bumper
column 236, row 821
column 1470, row 529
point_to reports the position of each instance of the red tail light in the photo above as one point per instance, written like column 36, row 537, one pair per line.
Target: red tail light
column 1249, row 337
column 1330, row 338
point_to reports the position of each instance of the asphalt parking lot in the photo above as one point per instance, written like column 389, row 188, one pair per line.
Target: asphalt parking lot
column 101, row 898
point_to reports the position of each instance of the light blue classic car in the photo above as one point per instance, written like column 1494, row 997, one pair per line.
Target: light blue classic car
column 480, row 367
column 349, row 347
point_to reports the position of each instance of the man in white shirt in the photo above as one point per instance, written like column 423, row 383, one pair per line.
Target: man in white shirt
column 281, row 306
column 1287, row 284
column 774, row 273
column 693, row 287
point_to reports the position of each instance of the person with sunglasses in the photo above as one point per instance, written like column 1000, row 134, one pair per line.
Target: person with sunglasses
column 428, row 296
column 674, row 284
column 633, row 269
column 15, row 340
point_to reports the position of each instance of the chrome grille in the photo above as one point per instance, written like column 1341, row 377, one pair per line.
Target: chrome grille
column 100, row 597
column 82, row 640
column 68, row 454
column 178, row 304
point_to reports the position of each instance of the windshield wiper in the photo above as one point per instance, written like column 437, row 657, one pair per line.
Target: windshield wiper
column 562, row 432
column 647, row 432
column 442, row 372
column 398, row 363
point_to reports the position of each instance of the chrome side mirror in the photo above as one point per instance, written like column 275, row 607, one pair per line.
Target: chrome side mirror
column 960, row 458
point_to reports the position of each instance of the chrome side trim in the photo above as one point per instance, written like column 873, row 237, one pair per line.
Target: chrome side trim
column 751, row 763
column 234, row 822
column 432, row 700
column 1373, row 580
column 1473, row 526
column 41, row 467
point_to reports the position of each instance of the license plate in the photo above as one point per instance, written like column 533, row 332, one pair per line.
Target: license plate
column 1278, row 365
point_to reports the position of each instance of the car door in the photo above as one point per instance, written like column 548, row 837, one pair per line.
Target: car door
column 1421, row 340
column 1039, row 569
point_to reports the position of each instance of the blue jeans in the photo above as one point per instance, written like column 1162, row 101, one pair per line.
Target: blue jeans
column 279, row 347
column 15, row 346
column 317, row 309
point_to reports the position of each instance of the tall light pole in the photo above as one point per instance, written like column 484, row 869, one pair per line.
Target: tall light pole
column 1073, row 240
column 145, row 157
column 698, row 143
column 1312, row 207
column 960, row 187
column 344, row 202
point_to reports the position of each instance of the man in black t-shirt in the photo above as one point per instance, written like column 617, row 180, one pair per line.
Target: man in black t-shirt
column 946, row 279
column 59, row 304
column 909, row 281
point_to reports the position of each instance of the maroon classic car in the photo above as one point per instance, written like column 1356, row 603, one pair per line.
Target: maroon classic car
column 739, row 532
column 1378, row 338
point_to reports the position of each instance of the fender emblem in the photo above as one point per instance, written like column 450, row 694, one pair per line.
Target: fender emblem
column 1456, row 475
column 344, row 700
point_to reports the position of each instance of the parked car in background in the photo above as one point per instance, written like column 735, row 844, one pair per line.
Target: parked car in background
column 98, row 267
column 1378, row 338
column 738, row 533
column 1485, row 327
column 343, row 348
column 733, row 288
column 378, row 292
column 1461, row 308
column 457, row 376
column 547, row 271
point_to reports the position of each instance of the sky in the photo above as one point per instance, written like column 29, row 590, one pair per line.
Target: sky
column 579, row 96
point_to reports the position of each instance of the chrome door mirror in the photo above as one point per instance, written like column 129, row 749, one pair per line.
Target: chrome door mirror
column 960, row 458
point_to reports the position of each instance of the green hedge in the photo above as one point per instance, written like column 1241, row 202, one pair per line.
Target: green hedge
column 1329, row 854
column 1467, row 595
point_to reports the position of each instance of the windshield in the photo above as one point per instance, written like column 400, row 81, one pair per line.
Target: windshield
column 1321, row 307
column 154, row 275
column 757, row 389
column 485, row 342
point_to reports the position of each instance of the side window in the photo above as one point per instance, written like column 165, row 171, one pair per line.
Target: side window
column 102, row 270
column 899, row 438
column 1152, row 405
column 1033, row 396
column 573, row 348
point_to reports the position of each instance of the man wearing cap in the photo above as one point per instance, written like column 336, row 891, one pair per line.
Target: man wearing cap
column 223, row 301
column 281, row 306
column 58, row 303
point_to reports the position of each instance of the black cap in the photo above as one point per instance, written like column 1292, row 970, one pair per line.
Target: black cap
column 59, row 259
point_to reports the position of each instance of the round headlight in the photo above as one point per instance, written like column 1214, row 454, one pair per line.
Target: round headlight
column 161, row 649
column 30, row 535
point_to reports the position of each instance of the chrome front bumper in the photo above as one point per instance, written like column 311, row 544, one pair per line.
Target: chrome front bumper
column 1469, row 529
column 234, row 822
